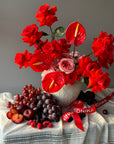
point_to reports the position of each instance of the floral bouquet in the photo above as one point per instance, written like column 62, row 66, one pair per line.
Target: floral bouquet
column 53, row 58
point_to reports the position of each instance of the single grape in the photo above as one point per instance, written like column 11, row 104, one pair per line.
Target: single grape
column 48, row 101
column 54, row 115
column 44, row 97
column 54, row 108
column 49, row 106
column 50, row 111
column 44, row 105
column 45, row 110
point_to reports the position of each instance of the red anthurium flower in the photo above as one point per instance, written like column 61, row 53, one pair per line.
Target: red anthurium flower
column 46, row 16
column 22, row 59
column 40, row 62
column 31, row 35
column 98, row 80
column 75, row 33
column 53, row 82
column 103, row 48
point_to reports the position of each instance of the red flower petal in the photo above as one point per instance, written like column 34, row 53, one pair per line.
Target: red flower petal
column 40, row 62
column 53, row 82
column 75, row 33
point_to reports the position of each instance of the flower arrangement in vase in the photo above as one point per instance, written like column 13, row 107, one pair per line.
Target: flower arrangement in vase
column 58, row 65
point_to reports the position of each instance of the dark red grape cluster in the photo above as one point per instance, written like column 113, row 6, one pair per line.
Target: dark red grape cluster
column 88, row 97
column 33, row 104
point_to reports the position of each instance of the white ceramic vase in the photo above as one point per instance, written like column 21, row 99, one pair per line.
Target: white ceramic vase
column 68, row 93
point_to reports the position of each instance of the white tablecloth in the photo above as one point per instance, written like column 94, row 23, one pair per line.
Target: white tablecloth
column 99, row 128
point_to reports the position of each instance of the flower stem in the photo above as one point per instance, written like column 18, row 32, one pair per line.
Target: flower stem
column 51, row 29
column 74, row 50
column 52, row 34
column 39, row 46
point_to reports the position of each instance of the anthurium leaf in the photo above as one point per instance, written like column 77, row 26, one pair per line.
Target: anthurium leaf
column 45, row 34
column 59, row 31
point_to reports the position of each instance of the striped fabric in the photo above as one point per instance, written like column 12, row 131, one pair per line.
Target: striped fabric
column 99, row 128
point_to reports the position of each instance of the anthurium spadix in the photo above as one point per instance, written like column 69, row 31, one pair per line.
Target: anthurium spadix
column 75, row 32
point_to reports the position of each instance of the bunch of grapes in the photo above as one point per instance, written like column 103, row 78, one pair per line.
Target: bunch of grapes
column 33, row 104
column 88, row 97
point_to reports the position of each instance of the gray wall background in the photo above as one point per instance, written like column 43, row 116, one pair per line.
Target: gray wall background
column 94, row 15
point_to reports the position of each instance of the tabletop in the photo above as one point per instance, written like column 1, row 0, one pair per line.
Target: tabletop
column 99, row 128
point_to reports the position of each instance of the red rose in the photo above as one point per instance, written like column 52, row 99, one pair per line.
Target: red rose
column 71, row 78
column 64, row 46
column 98, row 80
column 48, row 48
column 103, row 48
column 83, row 62
column 91, row 66
column 46, row 16
column 22, row 59
column 30, row 30
column 40, row 62
column 31, row 35
column 66, row 65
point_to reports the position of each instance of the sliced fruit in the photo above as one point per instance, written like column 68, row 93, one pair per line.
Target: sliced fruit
column 13, row 111
column 17, row 118
column 9, row 115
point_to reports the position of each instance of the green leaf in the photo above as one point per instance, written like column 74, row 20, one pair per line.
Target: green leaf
column 85, row 80
column 53, row 36
column 45, row 34
column 59, row 31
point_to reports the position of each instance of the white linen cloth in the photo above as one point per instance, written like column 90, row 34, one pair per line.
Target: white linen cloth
column 99, row 128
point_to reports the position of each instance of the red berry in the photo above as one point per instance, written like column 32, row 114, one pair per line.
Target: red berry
column 32, row 99
column 33, row 124
column 17, row 98
column 105, row 112
column 29, row 122
column 44, row 124
column 39, row 126
column 39, row 89
column 50, row 125
column 47, row 122
column 24, row 102
column 21, row 102
column 28, row 104
column 8, row 104
column 30, row 86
